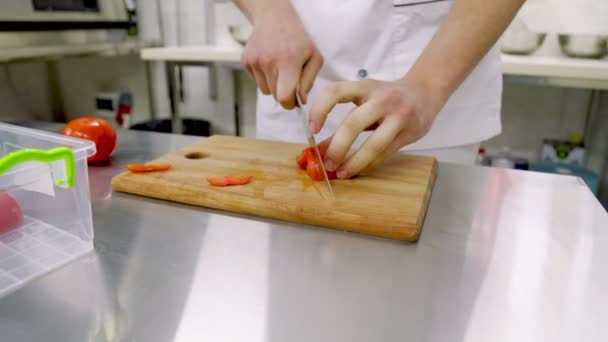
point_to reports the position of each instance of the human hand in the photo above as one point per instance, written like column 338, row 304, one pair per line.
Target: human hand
column 399, row 112
column 281, row 57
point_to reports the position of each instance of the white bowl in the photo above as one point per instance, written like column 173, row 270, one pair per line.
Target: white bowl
column 519, row 40
column 584, row 45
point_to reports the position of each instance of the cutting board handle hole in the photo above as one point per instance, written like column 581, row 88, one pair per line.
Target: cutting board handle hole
column 196, row 155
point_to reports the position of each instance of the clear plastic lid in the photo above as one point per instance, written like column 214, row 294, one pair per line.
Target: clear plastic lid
column 14, row 138
column 42, row 139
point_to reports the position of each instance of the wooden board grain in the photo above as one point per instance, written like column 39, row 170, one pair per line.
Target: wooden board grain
column 390, row 201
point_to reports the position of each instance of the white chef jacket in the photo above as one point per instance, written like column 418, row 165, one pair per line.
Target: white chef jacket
column 381, row 39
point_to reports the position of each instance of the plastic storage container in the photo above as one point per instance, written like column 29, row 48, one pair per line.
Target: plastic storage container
column 46, row 174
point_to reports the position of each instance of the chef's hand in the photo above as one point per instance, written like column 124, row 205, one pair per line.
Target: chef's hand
column 400, row 113
column 280, row 55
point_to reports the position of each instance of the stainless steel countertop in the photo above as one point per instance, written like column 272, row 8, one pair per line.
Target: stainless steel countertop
column 504, row 256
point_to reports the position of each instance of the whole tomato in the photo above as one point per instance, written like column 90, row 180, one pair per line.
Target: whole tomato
column 10, row 213
column 97, row 130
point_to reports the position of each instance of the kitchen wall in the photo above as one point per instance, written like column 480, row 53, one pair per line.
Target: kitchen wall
column 566, row 16
column 24, row 92
column 81, row 78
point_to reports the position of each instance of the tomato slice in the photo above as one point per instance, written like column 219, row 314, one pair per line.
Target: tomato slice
column 141, row 168
column 307, row 160
column 323, row 149
column 229, row 180
column 238, row 180
column 314, row 170
column 304, row 157
column 217, row 181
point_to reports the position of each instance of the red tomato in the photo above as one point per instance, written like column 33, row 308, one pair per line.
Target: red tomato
column 307, row 160
column 10, row 213
column 141, row 168
column 217, row 181
column 303, row 158
column 238, row 180
column 314, row 170
column 323, row 149
column 97, row 130
column 229, row 180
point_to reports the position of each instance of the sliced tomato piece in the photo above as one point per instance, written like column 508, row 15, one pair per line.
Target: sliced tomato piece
column 218, row 181
column 314, row 170
column 238, row 180
column 323, row 149
column 141, row 168
column 308, row 161
column 304, row 157
column 229, row 180
column 323, row 146
column 302, row 160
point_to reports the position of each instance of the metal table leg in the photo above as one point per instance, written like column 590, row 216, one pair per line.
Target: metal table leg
column 176, row 122
column 150, row 88
column 55, row 96
column 237, row 90
column 174, row 97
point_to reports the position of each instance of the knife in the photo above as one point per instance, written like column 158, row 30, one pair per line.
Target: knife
column 312, row 142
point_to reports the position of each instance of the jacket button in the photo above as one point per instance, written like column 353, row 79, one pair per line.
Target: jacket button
column 362, row 73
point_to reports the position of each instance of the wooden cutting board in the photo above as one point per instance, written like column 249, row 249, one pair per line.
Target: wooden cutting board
column 390, row 201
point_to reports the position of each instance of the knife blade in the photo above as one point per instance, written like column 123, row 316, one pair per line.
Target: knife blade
column 312, row 143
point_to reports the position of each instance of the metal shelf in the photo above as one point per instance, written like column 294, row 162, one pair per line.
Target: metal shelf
column 10, row 55
column 557, row 71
